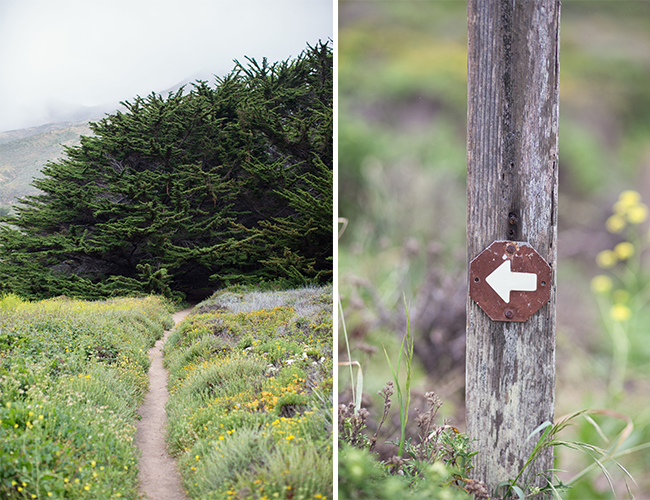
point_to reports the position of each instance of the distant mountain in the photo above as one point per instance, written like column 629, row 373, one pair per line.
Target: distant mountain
column 55, row 113
column 15, row 135
column 23, row 153
column 187, row 83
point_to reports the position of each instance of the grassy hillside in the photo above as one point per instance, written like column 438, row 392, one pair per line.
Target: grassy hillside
column 72, row 375
column 250, row 409
column 250, row 412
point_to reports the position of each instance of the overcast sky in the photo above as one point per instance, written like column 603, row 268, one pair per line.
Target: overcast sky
column 59, row 53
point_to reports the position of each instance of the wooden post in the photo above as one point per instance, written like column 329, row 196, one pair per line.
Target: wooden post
column 512, row 175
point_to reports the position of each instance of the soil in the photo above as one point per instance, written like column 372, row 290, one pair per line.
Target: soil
column 159, row 477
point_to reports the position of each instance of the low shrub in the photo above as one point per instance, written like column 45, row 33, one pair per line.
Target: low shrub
column 250, row 408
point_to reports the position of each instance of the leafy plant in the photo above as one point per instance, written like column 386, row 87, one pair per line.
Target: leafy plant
column 434, row 467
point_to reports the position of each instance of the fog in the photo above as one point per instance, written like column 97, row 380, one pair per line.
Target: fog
column 62, row 56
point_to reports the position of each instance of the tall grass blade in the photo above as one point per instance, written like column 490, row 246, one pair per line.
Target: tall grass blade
column 359, row 384
column 347, row 346
column 595, row 425
column 539, row 428
column 403, row 405
column 398, row 388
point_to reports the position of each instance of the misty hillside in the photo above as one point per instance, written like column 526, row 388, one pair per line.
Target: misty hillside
column 23, row 153
column 15, row 135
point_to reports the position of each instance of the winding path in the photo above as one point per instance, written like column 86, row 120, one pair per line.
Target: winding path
column 159, row 477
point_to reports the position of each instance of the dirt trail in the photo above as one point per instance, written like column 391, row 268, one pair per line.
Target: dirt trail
column 159, row 478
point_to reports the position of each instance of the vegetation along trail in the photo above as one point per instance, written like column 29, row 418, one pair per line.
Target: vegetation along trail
column 159, row 478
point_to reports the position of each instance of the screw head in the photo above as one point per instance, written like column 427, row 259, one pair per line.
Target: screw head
column 510, row 249
column 509, row 314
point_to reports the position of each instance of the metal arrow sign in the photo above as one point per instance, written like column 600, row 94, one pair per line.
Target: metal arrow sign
column 510, row 281
column 503, row 281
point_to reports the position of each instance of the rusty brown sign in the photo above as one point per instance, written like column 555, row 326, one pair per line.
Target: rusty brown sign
column 510, row 281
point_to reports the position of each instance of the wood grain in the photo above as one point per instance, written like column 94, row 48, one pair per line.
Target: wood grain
column 512, row 178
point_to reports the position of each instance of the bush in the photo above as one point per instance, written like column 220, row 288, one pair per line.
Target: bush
column 250, row 409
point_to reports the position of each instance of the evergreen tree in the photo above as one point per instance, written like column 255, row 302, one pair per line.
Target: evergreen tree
column 231, row 183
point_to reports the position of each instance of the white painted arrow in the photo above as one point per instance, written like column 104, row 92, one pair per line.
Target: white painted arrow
column 503, row 281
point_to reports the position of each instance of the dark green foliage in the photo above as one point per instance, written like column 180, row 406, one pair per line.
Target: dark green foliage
column 199, row 189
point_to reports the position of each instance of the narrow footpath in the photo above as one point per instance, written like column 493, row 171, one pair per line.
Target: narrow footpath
column 159, row 477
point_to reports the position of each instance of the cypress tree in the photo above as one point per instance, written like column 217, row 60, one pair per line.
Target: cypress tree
column 231, row 183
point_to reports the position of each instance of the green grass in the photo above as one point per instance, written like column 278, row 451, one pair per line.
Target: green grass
column 72, row 375
column 250, row 408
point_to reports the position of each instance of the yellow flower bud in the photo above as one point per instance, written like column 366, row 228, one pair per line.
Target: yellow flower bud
column 637, row 214
column 615, row 223
column 624, row 250
column 606, row 259
column 629, row 198
column 601, row 284
column 620, row 312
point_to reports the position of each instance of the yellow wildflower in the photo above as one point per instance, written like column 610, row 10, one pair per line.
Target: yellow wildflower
column 637, row 214
column 601, row 284
column 620, row 312
column 606, row 259
column 624, row 250
column 615, row 223
column 626, row 200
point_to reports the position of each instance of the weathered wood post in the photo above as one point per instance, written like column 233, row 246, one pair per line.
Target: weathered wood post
column 512, row 175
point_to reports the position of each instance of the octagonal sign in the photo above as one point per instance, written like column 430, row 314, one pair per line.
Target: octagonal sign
column 510, row 281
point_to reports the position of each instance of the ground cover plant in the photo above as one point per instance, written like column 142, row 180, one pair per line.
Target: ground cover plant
column 72, row 375
column 433, row 464
column 435, row 461
column 250, row 408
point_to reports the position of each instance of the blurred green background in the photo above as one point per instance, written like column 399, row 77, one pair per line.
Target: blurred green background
column 402, row 131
